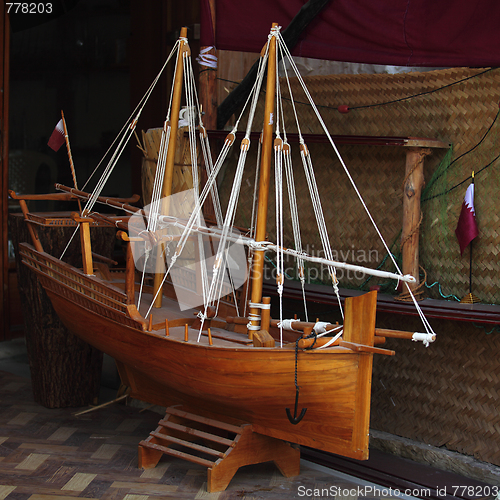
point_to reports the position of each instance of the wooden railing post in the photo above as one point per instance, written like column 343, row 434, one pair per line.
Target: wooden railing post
column 84, row 223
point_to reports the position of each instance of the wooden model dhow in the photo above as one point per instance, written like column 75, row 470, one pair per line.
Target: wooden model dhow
column 296, row 381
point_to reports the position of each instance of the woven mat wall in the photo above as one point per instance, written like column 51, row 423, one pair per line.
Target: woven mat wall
column 443, row 395
column 459, row 113
column 182, row 177
column 447, row 394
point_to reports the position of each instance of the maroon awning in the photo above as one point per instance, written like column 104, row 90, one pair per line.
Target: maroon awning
column 431, row 33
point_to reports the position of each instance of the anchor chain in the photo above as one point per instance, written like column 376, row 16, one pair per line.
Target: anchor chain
column 295, row 420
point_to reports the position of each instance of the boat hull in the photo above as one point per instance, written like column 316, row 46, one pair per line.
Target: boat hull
column 252, row 384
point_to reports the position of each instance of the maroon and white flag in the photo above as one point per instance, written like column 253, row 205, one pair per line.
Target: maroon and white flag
column 466, row 229
column 57, row 138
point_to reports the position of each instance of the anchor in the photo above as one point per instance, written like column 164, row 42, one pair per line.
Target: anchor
column 295, row 420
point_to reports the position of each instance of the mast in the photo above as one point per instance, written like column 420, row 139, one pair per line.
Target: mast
column 265, row 169
column 169, row 164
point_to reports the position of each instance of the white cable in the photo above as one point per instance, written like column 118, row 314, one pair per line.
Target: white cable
column 332, row 340
column 206, row 59
column 344, row 166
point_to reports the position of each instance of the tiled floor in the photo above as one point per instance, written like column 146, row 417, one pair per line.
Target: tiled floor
column 50, row 454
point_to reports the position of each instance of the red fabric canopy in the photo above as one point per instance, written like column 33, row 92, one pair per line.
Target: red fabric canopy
column 432, row 33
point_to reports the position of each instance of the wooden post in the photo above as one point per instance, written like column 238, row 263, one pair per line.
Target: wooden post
column 4, row 169
column 169, row 165
column 208, row 101
column 265, row 318
column 33, row 233
column 129, row 265
column 265, row 168
column 414, row 182
column 416, row 150
column 359, row 328
column 84, row 222
column 208, row 82
column 88, row 267
column 130, row 274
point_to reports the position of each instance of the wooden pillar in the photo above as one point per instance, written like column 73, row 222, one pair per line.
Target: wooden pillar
column 417, row 149
column 414, row 182
column 129, row 265
column 4, row 168
column 65, row 371
column 208, row 102
column 130, row 274
column 88, row 267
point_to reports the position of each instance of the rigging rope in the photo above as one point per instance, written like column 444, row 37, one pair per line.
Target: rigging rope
column 344, row 166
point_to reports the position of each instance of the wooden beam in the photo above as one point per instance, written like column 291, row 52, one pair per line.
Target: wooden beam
column 361, row 140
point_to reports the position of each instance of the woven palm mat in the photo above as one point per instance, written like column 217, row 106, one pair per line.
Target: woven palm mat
column 50, row 454
column 352, row 236
column 456, row 113
column 445, row 395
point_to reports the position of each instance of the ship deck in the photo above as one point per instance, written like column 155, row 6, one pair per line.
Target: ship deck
column 170, row 311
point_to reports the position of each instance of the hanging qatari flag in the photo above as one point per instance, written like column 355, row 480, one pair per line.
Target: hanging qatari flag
column 466, row 229
column 57, row 138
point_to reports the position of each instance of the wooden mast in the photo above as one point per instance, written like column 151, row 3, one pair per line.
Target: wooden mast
column 265, row 168
column 169, row 165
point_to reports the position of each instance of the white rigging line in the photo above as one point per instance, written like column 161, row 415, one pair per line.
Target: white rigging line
column 344, row 166
column 278, row 184
column 294, row 216
column 213, row 175
column 126, row 132
column 315, row 198
column 222, row 251
column 253, row 218
column 132, row 121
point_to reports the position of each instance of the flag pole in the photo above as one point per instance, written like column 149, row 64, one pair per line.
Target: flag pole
column 470, row 298
column 470, row 254
column 70, row 156
column 470, row 269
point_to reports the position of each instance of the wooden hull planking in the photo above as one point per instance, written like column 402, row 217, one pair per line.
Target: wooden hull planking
column 243, row 382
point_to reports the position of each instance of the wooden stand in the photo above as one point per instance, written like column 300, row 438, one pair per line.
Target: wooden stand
column 65, row 371
column 227, row 447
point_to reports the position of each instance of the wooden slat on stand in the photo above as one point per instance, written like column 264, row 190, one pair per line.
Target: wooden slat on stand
column 65, row 371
